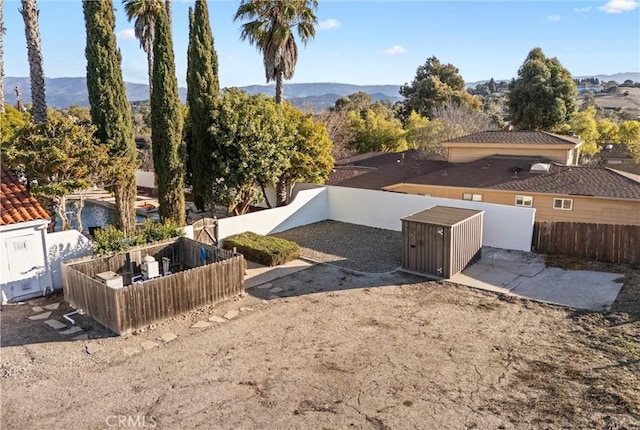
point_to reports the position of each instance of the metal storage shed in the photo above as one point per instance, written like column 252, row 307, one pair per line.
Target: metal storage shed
column 441, row 241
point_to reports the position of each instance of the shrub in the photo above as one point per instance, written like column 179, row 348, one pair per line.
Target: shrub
column 267, row 250
column 110, row 239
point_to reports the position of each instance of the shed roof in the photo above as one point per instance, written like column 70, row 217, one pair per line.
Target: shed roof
column 17, row 204
column 442, row 215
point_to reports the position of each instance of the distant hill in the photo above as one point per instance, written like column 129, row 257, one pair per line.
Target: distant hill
column 64, row 92
column 617, row 77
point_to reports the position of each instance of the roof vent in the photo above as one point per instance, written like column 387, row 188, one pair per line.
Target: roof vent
column 609, row 146
column 540, row 167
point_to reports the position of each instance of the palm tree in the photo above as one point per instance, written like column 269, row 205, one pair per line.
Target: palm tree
column 30, row 13
column 144, row 12
column 269, row 28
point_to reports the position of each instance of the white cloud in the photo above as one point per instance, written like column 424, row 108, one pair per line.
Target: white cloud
column 328, row 24
column 619, row 6
column 127, row 33
column 582, row 9
column 395, row 49
column 554, row 18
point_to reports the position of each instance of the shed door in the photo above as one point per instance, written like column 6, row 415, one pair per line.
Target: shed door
column 439, row 248
column 25, row 263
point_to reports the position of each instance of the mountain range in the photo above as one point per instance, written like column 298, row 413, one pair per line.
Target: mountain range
column 64, row 92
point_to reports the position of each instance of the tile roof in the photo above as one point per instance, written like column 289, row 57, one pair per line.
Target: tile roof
column 393, row 173
column 516, row 137
column 17, row 204
column 513, row 173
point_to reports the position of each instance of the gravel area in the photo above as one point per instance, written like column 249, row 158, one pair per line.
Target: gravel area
column 351, row 246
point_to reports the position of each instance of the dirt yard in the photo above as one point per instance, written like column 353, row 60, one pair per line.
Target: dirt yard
column 336, row 350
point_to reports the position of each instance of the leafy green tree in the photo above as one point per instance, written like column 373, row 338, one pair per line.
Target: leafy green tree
column 202, row 92
column 544, row 96
column 58, row 158
column 10, row 121
column 269, row 28
column 144, row 13
column 607, row 131
column 310, row 160
column 110, row 110
column 357, row 101
column 252, row 150
column 584, row 124
column 166, row 126
column 376, row 129
column 30, row 13
column 424, row 134
column 629, row 132
column 435, row 85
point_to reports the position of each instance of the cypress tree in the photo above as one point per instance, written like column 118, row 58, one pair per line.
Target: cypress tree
column 166, row 125
column 110, row 110
column 202, row 92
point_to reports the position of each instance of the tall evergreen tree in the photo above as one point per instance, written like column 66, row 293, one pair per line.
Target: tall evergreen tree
column 30, row 14
column 544, row 96
column 110, row 110
column 166, row 125
column 202, row 91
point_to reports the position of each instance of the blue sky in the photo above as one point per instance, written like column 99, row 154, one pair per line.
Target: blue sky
column 366, row 42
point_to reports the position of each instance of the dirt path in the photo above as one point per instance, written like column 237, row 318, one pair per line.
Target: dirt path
column 339, row 351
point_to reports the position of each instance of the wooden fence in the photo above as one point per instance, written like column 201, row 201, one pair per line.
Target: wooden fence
column 218, row 277
column 602, row 242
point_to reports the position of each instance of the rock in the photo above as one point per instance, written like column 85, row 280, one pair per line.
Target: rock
column 275, row 290
column 168, row 337
column 52, row 306
column 43, row 316
column 55, row 324
column 231, row 314
column 201, row 324
column 217, row 319
column 72, row 330
column 37, row 309
column 246, row 309
column 149, row 344
column 264, row 286
column 92, row 348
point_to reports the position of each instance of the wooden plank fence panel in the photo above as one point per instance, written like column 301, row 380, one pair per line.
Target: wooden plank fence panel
column 614, row 243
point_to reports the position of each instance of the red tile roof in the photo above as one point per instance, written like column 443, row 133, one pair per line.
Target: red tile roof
column 517, row 137
column 17, row 204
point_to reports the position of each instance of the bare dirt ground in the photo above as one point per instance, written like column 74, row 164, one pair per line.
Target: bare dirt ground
column 336, row 350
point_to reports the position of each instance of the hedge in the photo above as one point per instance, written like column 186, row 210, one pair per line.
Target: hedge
column 266, row 250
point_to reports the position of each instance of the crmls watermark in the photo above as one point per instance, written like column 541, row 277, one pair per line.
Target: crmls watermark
column 131, row 421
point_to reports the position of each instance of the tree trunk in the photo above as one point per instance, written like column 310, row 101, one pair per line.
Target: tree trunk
column 264, row 194
column 280, row 87
column 1, row 59
column 79, row 207
column 61, row 204
column 282, row 192
column 29, row 13
column 125, row 194
column 150, row 71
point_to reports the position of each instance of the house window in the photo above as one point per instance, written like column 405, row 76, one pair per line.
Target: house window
column 472, row 197
column 564, row 204
column 524, row 201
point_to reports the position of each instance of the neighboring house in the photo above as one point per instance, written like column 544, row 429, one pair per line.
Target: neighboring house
column 555, row 147
column 504, row 173
column 24, row 269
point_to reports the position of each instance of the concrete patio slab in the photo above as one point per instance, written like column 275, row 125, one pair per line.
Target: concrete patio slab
column 584, row 289
column 55, row 324
column 525, row 274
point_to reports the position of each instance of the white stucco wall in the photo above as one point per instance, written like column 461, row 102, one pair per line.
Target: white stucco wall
column 65, row 245
column 309, row 205
column 506, row 227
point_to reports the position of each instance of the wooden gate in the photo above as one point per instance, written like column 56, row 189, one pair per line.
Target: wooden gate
column 204, row 231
